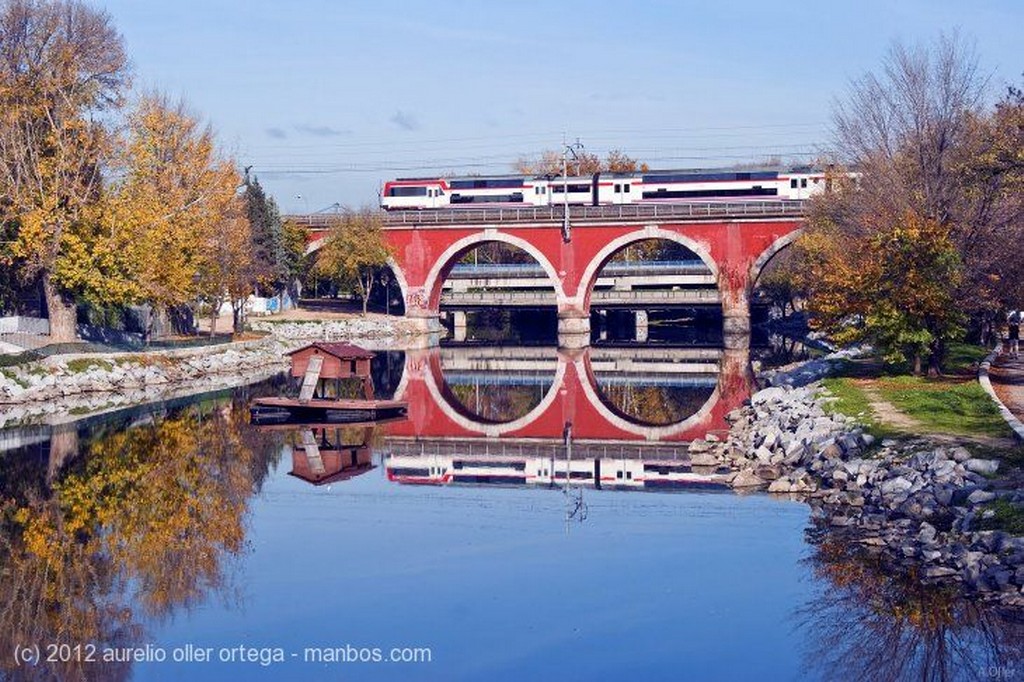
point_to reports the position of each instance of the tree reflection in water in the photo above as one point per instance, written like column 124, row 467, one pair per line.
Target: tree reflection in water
column 145, row 519
column 654, row 405
column 500, row 403
column 871, row 621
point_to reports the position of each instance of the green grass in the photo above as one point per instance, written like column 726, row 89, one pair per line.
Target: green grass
column 23, row 358
column 853, row 402
column 79, row 365
column 850, row 399
column 1008, row 517
column 10, row 374
column 964, row 358
column 957, row 407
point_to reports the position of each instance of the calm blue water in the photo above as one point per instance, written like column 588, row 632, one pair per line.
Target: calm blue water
column 494, row 582
column 177, row 527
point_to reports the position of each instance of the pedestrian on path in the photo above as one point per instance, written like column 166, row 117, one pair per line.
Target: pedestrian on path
column 1013, row 332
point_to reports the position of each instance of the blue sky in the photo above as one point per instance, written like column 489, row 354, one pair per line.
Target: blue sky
column 328, row 99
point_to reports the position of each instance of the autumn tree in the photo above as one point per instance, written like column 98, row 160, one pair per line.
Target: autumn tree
column 171, row 214
column 992, row 174
column 296, row 261
column 911, row 226
column 62, row 66
column 781, row 282
column 228, row 270
column 582, row 163
column 356, row 251
column 893, row 286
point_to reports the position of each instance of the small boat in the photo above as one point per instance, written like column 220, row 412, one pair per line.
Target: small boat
column 324, row 367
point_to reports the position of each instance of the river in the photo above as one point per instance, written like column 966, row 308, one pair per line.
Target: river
column 535, row 517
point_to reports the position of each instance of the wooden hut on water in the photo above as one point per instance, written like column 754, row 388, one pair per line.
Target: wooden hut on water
column 327, row 369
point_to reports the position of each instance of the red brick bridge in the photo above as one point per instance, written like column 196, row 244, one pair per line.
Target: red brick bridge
column 734, row 239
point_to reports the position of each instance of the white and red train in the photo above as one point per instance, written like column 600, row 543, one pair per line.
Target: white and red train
column 601, row 189
column 595, row 472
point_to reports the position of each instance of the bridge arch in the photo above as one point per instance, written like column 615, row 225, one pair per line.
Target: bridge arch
column 588, row 382
column 443, row 264
column 780, row 244
column 396, row 269
column 435, row 383
column 645, row 233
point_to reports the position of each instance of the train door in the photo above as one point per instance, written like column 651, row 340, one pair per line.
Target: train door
column 622, row 191
column 540, row 195
column 434, row 197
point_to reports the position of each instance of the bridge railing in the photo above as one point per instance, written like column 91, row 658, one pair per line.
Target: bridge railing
column 691, row 210
column 616, row 268
column 611, row 296
column 695, row 210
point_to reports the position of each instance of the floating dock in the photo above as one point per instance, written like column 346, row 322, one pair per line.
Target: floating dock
column 325, row 369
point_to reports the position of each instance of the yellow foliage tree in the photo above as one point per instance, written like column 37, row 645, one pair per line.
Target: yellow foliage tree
column 174, row 216
column 61, row 63
column 356, row 251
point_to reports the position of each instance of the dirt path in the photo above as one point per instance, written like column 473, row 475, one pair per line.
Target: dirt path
column 1007, row 377
column 887, row 413
column 890, row 415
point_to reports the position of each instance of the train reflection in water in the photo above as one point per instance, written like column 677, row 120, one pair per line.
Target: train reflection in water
column 551, row 471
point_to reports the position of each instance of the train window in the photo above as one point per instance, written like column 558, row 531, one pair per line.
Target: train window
column 629, row 475
column 803, row 182
column 625, row 188
column 408, row 191
column 618, row 189
column 792, row 183
column 618, row 474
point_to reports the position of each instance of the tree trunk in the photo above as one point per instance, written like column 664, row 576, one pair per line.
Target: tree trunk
column 62, row 314
column 937, row 353
column 156, row 328
column 367, row 287
column 238, row 315
column 917, row 364
column 214, row 314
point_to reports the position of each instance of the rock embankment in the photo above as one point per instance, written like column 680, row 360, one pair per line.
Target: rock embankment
column 85, row 383
column 921, row 504
column 382, row 330
column 79, row 384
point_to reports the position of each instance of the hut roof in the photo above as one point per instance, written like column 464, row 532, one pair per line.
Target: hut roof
column 342, row 351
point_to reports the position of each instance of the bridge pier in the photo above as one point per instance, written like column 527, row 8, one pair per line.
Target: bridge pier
column 736, row 316
column 573, row 329
column 424, row 320
column 458, row 325
column 641, row 326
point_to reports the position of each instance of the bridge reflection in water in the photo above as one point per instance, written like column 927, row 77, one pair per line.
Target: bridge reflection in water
column 601, row 417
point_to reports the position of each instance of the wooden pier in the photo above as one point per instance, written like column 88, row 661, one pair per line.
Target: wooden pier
column 327, row 369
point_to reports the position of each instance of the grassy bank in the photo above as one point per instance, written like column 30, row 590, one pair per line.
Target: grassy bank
column 890, row 402
column 946, row 405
